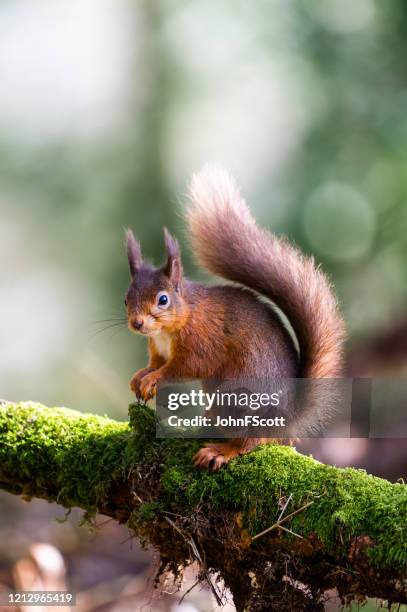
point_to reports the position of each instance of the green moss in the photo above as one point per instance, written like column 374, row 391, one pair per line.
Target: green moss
column 347, row 502
column 77, row 455
column 60, row 454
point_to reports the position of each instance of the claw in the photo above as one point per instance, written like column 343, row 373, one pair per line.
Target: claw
column 209, row 457
column 148, row 386
column 213, row 456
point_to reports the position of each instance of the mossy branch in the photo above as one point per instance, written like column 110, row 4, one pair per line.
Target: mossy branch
column 352, row 536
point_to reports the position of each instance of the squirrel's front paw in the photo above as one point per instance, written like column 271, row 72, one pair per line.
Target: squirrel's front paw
column 136, row 380
column 148, row 386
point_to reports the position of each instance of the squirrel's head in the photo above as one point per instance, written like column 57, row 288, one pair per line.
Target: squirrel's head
column 154, row 299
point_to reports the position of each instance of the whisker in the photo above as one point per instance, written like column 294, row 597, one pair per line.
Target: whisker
column 107, row 328
column 118, row 320
column 116, row 331
column 119, row 313
column 109, row 325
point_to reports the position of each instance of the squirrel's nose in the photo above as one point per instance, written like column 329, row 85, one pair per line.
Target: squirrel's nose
column 137, row 324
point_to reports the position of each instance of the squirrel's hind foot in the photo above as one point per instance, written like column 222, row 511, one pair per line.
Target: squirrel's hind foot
column 214, row 456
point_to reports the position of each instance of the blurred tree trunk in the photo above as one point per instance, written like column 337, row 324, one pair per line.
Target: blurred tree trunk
column 382, row 354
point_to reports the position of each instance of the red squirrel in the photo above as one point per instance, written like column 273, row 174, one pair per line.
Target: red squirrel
column 225, row 331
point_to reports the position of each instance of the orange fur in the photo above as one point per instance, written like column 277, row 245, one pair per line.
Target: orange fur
column 226, row 332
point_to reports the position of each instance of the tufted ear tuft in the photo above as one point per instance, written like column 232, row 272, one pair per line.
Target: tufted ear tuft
column 133, row 253
column 173, row 267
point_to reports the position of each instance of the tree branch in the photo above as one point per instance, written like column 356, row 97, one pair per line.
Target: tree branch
column 353, row 534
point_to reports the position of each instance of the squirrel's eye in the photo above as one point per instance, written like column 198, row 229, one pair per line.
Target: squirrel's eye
column 163, row 300
column 125, row 302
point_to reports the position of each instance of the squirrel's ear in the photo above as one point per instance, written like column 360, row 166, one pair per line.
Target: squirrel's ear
column 173, row 267
column 133, row 253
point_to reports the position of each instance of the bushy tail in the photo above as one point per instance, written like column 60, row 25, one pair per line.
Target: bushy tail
column 228, row 242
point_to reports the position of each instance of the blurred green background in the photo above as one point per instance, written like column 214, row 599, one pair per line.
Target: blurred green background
column 107, row 107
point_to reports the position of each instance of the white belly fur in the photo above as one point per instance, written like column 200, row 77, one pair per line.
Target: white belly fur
column 162, row 343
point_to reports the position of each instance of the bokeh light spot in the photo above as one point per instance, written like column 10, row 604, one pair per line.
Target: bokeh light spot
column 339, row 223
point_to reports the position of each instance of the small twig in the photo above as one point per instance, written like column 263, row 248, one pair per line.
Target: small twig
column 296, row 512
column 190, row 541
column 187, row 592
column 174, row 514
column 283, row 520
column 284, row 507
column 176, row 528
column 137, row 497
column 297, row 535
